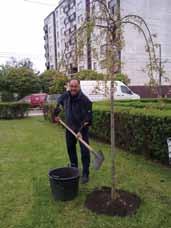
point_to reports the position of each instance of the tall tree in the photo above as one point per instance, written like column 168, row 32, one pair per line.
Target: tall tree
column 52, row 81
column 25, row 62
column 21, row 81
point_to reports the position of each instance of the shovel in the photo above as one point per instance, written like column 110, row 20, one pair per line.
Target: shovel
column 98, row 156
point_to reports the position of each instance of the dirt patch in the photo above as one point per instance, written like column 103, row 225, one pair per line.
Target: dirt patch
column 99, row 201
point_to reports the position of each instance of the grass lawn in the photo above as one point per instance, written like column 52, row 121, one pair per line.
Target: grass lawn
column 30, row 147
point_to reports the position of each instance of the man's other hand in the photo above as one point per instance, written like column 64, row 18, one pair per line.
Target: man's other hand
column 79, row 135
column 86, row 124
column 57, row 119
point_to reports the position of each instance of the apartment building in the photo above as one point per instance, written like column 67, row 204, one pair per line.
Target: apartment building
column 50, row 41
column 61, row 44
column 62, row 24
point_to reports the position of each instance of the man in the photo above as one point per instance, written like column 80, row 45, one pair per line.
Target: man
column 78, row 115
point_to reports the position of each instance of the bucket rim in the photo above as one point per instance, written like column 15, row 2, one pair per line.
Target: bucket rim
column 63, row 179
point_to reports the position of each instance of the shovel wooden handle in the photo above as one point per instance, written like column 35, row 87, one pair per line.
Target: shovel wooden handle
column 80, row 139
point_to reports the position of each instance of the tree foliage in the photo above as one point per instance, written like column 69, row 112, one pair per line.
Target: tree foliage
column 21, row 81
column 26, row 62
column 123, row 78
column 53, row 81
column 89, row 75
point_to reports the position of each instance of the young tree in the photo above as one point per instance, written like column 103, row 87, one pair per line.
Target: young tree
column 109, row 24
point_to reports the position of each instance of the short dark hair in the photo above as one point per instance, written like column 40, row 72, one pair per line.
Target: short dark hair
column 74, row 79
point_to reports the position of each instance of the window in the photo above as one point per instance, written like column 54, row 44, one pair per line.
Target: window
column 125, row 89
column 103, row 64
column 62, row 31
column 111, row 6
column 72, row 17
column 95, row 66
column 103, row 49
column 50, row 58
column 50, row 29
column 67, row 32
column 72, row 29
column 79, row 18
column 50, row 48
column 61, row 10
column 72, row 4
column 81, row 67
column 72, row 41
column 66, row 21
column 79, row 5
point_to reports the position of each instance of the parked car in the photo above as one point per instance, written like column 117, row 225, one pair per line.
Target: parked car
column 52, row 98
column 100, row 90
column 38, row 99
column 35, row 100
column 26, row 99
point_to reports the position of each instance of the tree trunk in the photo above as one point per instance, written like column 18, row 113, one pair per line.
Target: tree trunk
column 113, row 191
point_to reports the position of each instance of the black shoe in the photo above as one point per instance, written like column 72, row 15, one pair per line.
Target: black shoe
column 84, row 179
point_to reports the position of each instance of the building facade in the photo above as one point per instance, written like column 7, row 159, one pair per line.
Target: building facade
column 62, row 24
column 69, row 15
column 50, row 41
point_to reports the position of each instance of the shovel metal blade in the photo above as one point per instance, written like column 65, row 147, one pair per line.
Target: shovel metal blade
column 98, row 160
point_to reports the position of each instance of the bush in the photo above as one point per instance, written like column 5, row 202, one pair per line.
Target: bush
column 7, row 96
column 136, row 131
column 13, row 110
column 150, row 104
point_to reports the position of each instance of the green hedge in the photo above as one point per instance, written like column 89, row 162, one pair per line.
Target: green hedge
column 136, row 131
column 13, row 110
column 163, row 104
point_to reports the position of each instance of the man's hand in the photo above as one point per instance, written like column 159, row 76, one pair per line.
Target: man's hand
column 57, row 119
column 79, row 135
column 85, row 124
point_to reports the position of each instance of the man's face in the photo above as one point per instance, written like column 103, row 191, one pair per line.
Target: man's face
column 74, row 87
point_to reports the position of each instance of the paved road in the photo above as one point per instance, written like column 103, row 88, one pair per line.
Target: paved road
column 35, row 112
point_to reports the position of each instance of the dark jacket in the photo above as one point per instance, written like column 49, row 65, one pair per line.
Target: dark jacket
column 78, row 109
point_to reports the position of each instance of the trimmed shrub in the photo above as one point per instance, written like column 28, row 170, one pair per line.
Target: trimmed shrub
column 13, row 110
column 149, row 104
column 136, row 131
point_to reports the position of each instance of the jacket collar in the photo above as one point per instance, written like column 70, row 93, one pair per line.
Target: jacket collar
column 77, row 97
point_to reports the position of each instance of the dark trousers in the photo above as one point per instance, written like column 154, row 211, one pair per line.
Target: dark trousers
column 71, row 142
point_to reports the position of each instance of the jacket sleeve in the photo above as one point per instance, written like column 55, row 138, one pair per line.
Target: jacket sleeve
column 60, row 102
column 89, row 113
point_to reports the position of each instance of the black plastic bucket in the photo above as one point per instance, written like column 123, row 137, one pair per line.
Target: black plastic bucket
column 64, row 183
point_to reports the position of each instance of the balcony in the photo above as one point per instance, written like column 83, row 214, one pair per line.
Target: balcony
column 66, row 9
column 45, row 29
column 69, row 6
column 73, row 29
column 72, row 17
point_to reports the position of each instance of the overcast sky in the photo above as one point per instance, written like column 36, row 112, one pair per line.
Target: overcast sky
column 21, row 30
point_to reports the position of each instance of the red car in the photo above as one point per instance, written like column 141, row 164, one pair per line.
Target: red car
column 35, row 100
column 38, row 99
